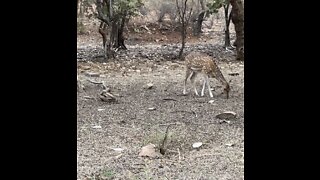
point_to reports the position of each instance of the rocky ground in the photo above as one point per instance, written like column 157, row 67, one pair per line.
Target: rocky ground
column 145, row 86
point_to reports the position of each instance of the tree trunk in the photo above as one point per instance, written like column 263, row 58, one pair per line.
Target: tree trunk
column 184, row 21
column 227, row 42
column 111, row 28
column 120, row 43
column 109, row 47
column 197, row 24
column 227, row 15
column 183, row 39
column 203, row 6
column 80, row 10
column 238, row 20
column 103, row 32
column 116, row 37
column 78, row 7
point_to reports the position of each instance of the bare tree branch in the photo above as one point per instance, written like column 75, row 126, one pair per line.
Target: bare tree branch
column 184, row 21
column 100, row 14
column 179, row 10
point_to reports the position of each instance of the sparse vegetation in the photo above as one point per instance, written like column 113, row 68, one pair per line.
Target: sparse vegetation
column 146, row 81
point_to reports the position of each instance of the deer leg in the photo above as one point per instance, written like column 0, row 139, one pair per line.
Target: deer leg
column 192, row 79
column 204, row 85
column 206, row 79
column 189, row 73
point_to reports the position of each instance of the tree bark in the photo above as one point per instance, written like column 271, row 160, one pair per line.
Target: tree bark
column 203, row 6
column 238, row 20
column 111, row 25
column 227, row 15
column 183, row 37
column 101, row 16
column 184, row 20
column 120, row 40
column 197, row 24
column 103, row 32
column 80, row 7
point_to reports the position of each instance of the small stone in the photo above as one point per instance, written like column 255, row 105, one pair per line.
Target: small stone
column 226, row 115
column 152, row 109
column 96, row 127
column 197, row 144
column 149, row 86
column 230, row 144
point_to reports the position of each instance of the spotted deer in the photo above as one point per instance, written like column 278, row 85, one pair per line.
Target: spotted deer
column 200, row 63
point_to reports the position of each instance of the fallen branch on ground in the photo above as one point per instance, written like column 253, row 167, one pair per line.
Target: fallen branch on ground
column 94, row 82
column 169, row 99
column 107, row 97
column 162, row 148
